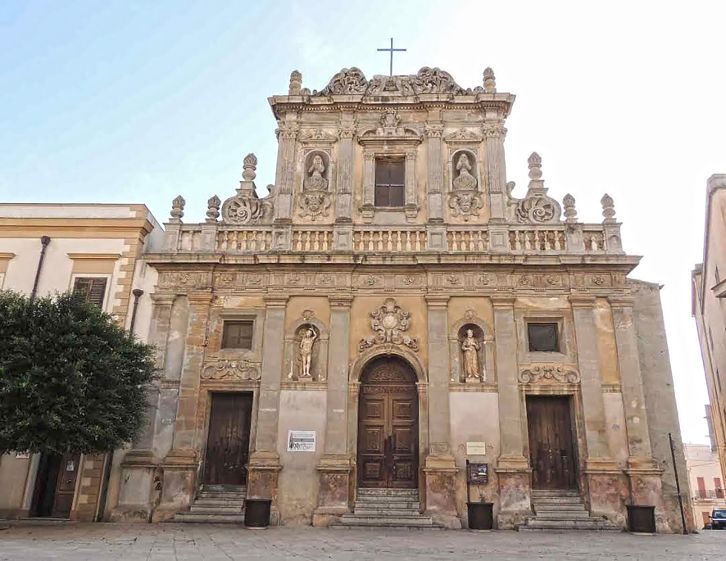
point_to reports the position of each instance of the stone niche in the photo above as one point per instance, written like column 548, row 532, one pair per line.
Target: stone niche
column 459, row 340
column 316, row 333
column 465, row 194
column 314, row 198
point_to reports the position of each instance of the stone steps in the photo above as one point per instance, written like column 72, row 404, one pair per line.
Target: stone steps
column 562, row 510
column 386, row 508
column 216, row 504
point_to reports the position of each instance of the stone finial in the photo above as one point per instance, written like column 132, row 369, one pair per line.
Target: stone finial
column 177, row 210
column 213, row 205
column 249, row 167
column 490, row 82
column 535, row 166
column 570, row 211
column 608, row 209
column 295, row 83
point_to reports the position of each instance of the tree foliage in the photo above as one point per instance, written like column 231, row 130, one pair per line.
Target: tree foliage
column 71, row 379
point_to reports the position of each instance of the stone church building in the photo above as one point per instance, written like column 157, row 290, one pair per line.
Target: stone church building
column 393, row 311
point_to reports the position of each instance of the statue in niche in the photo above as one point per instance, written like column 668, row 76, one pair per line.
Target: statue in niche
column 315, row 180
column 306, row 351
column 465, row 180
column 470, row 347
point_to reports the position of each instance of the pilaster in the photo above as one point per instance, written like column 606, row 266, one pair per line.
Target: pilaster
column 496, row 171
column 440, row 467
column 435, row 168
column 513, row 472
column 604, row 478
column 284, row 174
column 344, row 197
column 265, row 460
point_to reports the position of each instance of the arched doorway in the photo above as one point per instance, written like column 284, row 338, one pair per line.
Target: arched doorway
column 388, row 425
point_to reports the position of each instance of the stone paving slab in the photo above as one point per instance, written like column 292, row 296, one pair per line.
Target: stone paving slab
column 191, row 542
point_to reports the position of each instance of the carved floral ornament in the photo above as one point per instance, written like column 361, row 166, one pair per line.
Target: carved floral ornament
column 389, row 324
column 548, row 373
column 245, row 207
column 224, row 370
column 352, row 81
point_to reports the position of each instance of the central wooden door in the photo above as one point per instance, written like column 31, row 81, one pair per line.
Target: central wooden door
column 228, row 441
column 388, row 426
column 551, row 442
column 55, row 485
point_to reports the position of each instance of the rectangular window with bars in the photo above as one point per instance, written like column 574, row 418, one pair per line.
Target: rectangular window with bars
column 92, row 288
column 390, row 182
column 237, row 334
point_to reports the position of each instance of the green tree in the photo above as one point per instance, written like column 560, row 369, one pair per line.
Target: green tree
column 71, row 379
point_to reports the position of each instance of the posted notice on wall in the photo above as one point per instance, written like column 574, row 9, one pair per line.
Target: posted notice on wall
column 301, row 441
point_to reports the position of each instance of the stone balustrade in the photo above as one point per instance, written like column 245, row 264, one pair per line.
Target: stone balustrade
column 551, row 239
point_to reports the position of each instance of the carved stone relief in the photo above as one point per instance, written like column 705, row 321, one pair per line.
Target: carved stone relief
column 224, row 370
column 389, row 324
column 548, row 373
column 464, row 198
column 245, row 207
column 537, row 207
column 314, row 199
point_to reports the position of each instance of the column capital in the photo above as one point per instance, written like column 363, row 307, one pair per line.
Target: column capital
column 618, row 301
column 503, row 302
column 275, row 300
column 340, row 301
column 437, row 300
column 582, row 301
column 200, row 297
column 162, row 299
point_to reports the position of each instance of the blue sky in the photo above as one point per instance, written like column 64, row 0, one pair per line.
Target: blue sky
column 140, row 101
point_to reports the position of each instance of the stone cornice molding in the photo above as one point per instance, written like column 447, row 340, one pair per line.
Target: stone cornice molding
column 503, row 302
column 200, row 297
column 437, row 300
column 340, row 301
column 582, row 301
column 162, row 299
column 275, row 300
column 618, row 301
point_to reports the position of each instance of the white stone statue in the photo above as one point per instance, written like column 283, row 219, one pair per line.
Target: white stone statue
column 306, row 351
column 315, row 180
column 464, row 180
column 470, row 347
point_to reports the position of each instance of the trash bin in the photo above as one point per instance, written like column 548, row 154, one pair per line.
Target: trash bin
column 641, row 519
column 481, row 516
column 257, row 513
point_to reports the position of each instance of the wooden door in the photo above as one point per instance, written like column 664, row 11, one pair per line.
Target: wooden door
column 55, row 485
column 551, row 443
column 228, row 440
column 388, row 426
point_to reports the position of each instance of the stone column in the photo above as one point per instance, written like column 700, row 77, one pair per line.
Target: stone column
column 435, row 168
column 604, row 478
column 140, row 462
column 440, row 467
column 181, row 464
column 264, row 463
column 335, row 464
column 369, row 177
column 496, row 178
column 411, row 204
column 642, row 469
column 285, row 172
column 512, row 468
column 344, row 198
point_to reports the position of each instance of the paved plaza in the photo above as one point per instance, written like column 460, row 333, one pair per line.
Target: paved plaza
column 188, row 542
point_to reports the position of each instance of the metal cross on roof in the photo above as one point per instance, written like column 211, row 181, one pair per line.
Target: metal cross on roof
column 391, row 50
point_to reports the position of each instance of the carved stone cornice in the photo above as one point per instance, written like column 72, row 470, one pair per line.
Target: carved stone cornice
column 582, row 301
column 340, row 301
column 275, row 300
column 437, row 300
column 620, row 301
column 503, row 302
column 548, row 373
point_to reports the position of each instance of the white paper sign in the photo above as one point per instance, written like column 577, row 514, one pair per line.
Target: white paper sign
column 476, row 448
column 301, row 441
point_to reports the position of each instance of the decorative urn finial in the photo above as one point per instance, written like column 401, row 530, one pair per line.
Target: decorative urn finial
column 295, row 83
column 249, row 166
column 177, row 210
column 213, row 205
column 535, row 166
column 490, row 82
column 570, row 211
column 608, row 209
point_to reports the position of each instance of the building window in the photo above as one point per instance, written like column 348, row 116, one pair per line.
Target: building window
column 701, row 483
column 237, row 334
column 719, row 488
column 92, row 289
column 543, row 337
column 390, row 183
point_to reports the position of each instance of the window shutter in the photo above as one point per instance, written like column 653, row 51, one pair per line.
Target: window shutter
column 92, row 288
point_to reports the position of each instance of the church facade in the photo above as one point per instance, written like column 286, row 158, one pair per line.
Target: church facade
column 393, row 313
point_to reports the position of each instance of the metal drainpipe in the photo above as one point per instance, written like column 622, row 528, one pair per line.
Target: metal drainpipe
column 137, row 292
column 44, row 240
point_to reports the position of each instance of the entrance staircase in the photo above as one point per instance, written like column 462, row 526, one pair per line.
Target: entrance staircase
column 386, row 508
column 218, row 504
column 563, row 510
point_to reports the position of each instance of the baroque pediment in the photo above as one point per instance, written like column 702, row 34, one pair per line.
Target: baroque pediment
column 352, row 81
